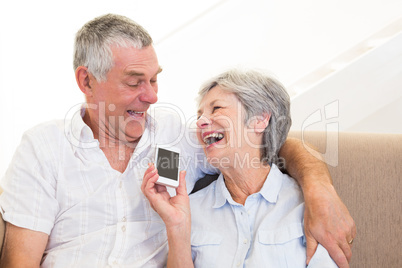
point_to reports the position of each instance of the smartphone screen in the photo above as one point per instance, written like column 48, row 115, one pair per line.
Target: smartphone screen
column 168, row 164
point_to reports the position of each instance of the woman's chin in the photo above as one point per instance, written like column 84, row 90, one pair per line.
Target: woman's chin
column 218, row 160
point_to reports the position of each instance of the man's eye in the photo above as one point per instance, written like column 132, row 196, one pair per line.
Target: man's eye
column 133, row 84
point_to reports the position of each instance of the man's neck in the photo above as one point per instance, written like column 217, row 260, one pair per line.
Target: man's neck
column 117, row 152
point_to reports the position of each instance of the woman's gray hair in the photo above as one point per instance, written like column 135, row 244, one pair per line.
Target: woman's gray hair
column 259, row 93
column 93, row 42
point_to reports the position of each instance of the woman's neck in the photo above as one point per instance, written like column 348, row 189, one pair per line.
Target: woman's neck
column 242, row 182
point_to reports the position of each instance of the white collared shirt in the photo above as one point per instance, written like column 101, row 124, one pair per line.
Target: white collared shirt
column 266, row 232
column 60, row 183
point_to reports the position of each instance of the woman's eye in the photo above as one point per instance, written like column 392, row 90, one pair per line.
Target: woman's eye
column 215, row 108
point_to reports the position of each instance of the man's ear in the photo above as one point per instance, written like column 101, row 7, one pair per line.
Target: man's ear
column 83, row 78
column 261, row 122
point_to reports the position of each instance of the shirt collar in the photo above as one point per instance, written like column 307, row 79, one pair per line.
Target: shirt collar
column 80, row 134
column 221, row 192
column 272, row 186
column 269, row 191
column 148, row 137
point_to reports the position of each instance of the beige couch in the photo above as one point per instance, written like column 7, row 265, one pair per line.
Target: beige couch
column 368, row 179
column 367, row 176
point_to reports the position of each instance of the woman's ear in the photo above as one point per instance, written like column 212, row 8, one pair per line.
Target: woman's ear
column 261, row 122
column 83, row 78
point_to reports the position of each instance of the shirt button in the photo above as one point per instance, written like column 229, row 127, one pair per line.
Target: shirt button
column 123, row 228
column 124, row 219
column 238, row 263
column 245, row 241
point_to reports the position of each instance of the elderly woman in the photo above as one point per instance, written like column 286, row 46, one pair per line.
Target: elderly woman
column 252, row 215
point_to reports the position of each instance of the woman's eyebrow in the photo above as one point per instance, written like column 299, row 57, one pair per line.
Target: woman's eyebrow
column 210, row 105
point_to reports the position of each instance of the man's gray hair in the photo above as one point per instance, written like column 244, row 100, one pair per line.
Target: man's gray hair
column 259, row 93
column 93, row 42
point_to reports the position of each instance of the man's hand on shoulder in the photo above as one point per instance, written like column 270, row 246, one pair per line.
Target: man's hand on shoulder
column 327, row 221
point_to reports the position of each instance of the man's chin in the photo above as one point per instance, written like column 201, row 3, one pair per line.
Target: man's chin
column 133, row 134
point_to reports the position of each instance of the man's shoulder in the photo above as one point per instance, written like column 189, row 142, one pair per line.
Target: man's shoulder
column 47, row 131
column 53, row 126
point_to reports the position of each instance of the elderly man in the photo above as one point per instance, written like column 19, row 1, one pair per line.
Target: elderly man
column 72, row 194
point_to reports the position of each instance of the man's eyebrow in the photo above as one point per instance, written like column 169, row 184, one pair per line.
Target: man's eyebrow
column 135, row 73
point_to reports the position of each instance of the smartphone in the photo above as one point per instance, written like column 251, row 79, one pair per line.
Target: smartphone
column 167, row 164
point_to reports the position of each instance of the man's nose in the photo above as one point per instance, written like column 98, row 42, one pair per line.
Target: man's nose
column 150, row 94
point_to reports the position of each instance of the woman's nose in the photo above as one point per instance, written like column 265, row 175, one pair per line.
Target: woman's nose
column 203, row 121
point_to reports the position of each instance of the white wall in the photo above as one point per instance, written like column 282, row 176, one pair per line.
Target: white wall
column 194, row 39
column 359, row 90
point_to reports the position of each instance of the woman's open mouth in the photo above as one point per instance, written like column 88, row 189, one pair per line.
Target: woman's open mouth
column 212, row 137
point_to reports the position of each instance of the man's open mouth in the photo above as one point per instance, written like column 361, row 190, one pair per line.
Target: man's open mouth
column 133, row 113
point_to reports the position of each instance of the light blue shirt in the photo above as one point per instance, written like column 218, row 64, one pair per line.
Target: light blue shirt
column 266, row 232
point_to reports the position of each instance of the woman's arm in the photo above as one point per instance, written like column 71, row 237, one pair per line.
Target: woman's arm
column 327, row 220
column 175, row 212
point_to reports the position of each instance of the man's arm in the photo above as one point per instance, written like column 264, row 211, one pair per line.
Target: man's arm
column 22, row 247
column 326, row 219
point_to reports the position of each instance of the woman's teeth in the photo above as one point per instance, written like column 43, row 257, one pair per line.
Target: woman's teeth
column 212, row 138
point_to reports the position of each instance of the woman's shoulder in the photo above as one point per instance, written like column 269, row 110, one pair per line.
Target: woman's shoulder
column 203, row 194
